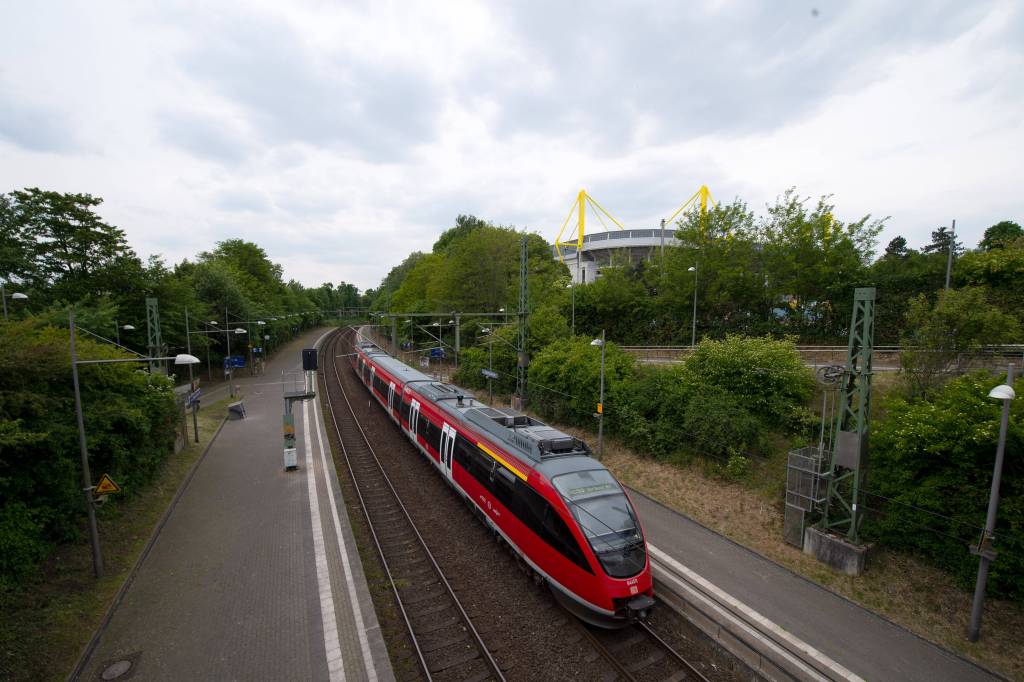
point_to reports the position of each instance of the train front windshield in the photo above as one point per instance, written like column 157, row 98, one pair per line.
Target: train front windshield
column 607, row 520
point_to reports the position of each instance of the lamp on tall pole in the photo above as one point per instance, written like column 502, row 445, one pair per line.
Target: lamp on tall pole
column 117, row 330
column 693, row 329
column 600, row 400
column 87, row 486
column 984, row 549
column 16, row 296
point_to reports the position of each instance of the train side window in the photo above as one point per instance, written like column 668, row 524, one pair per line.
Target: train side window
column 562, row 538
column 462, row 448
column 421, row 427
column 405, row 412
column 504, row 484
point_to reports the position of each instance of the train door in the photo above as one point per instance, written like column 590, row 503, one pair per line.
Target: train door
column 392, row 405
column 414, row 418
column 447, row 449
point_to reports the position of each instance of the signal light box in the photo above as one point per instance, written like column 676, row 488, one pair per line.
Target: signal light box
column 309, row 359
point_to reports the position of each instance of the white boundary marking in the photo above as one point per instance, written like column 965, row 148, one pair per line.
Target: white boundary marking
column 755, row 618
column 332, row 649
column 364, row 644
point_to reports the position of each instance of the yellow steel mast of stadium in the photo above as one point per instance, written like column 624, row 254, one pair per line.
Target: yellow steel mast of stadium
column 579, row 207
column 704, row 196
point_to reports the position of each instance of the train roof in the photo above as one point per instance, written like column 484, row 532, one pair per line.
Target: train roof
column 545, row 447
column 398, row 369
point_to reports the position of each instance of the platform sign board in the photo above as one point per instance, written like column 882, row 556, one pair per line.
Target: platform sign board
column 489, row 374
column 106, row 486
column 193, row 397
column 258, row 350
column 236, row 361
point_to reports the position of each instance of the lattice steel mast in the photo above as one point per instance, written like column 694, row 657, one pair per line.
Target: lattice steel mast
column 850, row 449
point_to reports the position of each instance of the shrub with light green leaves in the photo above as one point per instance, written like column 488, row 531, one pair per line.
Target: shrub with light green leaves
column 767, row 376
column 937, row 456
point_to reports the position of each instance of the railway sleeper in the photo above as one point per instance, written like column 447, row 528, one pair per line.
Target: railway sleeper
column 430, row 644
column 655, row 657
column 423, row 594
column 458, row 657
column 435, row 625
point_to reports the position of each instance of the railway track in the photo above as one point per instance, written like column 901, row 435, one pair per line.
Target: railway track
column 446, row 643
column 639, row 653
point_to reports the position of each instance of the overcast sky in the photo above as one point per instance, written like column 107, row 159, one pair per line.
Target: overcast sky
column 340, row 136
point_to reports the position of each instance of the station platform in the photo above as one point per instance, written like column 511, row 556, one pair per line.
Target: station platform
column 868, row 646
column 256, row 574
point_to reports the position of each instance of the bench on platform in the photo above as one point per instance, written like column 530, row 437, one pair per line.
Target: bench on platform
column 236, row 410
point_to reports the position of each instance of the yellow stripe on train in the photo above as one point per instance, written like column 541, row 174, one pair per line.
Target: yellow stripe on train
column 508, row 466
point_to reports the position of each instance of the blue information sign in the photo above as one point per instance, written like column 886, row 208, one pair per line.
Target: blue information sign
column 234, row 361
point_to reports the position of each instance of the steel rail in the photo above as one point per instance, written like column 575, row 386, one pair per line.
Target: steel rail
column 488, row 658
column 692, row 670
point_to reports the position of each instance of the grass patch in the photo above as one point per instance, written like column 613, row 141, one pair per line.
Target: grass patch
column 48, row 621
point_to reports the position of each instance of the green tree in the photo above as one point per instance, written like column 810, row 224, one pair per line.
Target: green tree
column 960, row 321
column 69, row 253
column 897, row 247
column 933, row 459
column 1000, row 235
column 940, row 242
column 464, row 225
column 814, row 262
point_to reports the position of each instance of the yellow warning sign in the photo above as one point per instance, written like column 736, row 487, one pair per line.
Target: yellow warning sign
column 106, row 486
column 600, row 408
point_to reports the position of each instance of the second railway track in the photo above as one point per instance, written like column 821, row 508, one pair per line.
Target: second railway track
column 446, row 642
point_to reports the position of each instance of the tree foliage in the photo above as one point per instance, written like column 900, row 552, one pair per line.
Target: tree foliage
column 932, row 462
column 959, row 321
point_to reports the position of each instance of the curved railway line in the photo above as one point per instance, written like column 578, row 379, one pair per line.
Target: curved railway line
column 446, row 643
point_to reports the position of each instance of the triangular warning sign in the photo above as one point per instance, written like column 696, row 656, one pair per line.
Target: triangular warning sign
column 106, row 486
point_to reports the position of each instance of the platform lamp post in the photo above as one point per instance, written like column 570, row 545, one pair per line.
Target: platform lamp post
column 600, row 400
column 984, row 549
column 693, row 329
column 87, row 486
column 16, row 296
column 117, row 330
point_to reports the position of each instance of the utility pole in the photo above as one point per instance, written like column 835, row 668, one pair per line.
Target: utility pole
column 523, row 360
column 949, row 259
column 94, row 535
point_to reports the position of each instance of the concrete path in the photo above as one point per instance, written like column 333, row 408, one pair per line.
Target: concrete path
column 255, row 576
column 864, row 643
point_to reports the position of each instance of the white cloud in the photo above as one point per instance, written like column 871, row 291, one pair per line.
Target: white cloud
column 342, row 137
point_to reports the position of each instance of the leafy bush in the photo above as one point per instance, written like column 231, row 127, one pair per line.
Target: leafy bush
column 129, row 419
column 766, row 375
column 565, row 379
column 960, row 321
column 938, row 455
column 716, row 424
column 22, row 543
column 737, row 467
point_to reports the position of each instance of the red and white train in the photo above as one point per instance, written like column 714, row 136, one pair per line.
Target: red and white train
column 559, row 509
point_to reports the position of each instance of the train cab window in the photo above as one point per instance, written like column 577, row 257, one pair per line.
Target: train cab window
column 606, row 518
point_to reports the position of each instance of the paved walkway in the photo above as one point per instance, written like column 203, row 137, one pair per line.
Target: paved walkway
column 255, row 576
column 856, row 638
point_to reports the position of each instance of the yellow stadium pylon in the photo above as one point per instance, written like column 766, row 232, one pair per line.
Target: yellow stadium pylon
column 579, row 207
column 704, row 196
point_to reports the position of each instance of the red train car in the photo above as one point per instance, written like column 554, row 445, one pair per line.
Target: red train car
column 558, row 508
